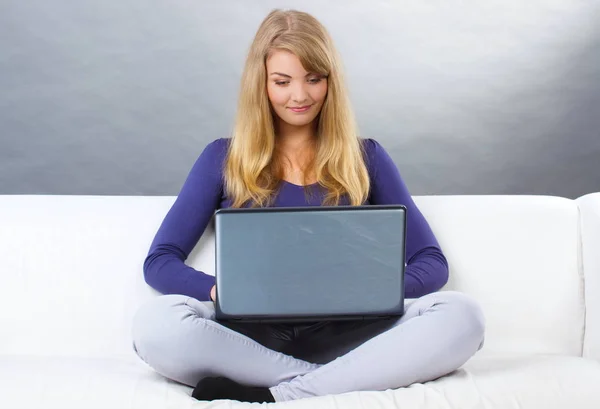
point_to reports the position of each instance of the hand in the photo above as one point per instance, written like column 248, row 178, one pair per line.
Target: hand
column 213, row 293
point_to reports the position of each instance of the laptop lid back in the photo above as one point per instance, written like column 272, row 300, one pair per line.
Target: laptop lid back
column 310, row 263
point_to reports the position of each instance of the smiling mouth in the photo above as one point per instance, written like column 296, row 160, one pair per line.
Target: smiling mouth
column 300, row 109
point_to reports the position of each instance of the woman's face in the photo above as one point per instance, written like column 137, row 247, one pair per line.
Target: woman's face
column 296, row 95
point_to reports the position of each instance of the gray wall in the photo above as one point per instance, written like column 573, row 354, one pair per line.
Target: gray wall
column 120, row 97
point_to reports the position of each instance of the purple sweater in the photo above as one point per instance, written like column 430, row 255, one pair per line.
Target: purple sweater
column 202, row 193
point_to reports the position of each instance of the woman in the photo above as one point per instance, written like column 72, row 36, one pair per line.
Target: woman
column 295, row 143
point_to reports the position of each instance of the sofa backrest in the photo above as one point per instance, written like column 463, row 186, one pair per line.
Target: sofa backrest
column 520, row 257
column 72, row 269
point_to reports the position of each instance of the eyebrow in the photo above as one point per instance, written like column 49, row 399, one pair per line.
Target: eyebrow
column 280, row 73
column 288, row 76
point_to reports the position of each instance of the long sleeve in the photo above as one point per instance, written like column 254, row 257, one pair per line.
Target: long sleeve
column 427, row 267
column 164, row 267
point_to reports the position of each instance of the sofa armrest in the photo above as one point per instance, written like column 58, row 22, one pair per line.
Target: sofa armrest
column 589, row 207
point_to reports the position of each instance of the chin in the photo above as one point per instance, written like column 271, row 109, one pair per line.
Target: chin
column 298, row 121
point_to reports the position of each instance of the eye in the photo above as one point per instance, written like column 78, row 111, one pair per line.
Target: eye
column 315, row 80
column 281, row 83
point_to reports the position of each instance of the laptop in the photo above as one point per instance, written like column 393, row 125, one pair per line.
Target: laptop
column 307, row 264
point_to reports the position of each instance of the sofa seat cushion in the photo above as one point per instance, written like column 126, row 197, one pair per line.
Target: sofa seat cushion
column 509, row 383
column 77, row 382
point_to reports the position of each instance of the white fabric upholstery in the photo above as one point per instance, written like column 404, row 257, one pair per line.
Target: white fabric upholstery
column 548, row 382
column 518, row 256
column 72, row 279
column 590, row 240
column 73, row 272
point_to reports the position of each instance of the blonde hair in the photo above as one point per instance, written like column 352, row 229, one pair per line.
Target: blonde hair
column 252, row 172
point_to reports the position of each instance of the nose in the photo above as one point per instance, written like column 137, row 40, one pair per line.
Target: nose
column 299, row 94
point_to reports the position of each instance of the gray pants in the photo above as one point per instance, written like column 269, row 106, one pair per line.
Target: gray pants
column 178, row 337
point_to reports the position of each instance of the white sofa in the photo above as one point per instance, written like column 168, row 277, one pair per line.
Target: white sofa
column 72, row 279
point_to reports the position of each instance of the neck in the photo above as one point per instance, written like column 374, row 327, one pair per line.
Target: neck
column 293, row 138
column 295, row 144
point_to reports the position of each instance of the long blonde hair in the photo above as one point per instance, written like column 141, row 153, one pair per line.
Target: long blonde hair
column 251, row 170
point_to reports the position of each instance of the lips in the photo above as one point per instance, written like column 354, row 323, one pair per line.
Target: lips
column 300, row 109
